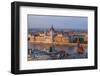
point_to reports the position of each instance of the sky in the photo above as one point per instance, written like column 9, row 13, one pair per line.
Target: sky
column 67, row 22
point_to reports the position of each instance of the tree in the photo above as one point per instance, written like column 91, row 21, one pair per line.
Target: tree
column 81, row 40
column 50, row 50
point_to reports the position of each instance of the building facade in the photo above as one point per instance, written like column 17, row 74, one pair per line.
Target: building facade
column 55, row 37
column 48, row 37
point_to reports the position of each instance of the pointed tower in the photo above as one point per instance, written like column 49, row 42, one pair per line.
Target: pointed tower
column 52, row 33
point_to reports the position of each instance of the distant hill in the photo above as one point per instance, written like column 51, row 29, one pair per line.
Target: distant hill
column 64, row 30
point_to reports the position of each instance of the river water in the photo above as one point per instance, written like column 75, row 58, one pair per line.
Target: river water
column 42, row 52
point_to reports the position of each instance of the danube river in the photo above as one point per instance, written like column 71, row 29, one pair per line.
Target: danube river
column 42, row 52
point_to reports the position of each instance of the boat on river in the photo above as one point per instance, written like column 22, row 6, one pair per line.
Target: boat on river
column 80, row 48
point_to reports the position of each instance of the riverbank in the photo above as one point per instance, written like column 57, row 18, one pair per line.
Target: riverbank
column 60, row 44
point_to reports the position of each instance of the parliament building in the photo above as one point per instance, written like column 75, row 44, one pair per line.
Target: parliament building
column 50, row 37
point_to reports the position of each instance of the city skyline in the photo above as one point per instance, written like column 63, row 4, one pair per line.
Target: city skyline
column 63, row 22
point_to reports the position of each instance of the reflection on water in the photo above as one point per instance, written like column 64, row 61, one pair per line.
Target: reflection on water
column 48, row 52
